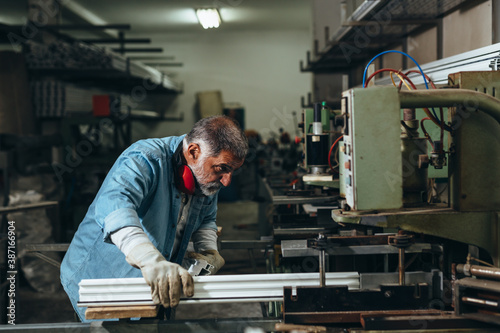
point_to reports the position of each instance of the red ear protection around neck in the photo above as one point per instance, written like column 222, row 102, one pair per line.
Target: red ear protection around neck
column 185, row 180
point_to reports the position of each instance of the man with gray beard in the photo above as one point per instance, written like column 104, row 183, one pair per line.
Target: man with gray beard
column 159, row 195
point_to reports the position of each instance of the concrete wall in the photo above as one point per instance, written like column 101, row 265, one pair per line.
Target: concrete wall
column 259, row 69
column 469, row 29
column 423, row 46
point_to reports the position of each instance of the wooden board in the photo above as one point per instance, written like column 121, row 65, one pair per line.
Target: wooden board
column 282, row 327
column 109, row 312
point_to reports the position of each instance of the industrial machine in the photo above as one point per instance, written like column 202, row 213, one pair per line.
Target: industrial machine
column 387, row 209
column 316, row 128
column 380, row 247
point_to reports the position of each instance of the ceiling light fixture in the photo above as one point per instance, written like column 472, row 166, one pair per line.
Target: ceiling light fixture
column 208, row 17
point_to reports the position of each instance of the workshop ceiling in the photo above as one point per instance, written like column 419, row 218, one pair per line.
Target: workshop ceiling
column 154, row 16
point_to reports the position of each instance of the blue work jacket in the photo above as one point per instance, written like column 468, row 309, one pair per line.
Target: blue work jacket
column 139, row 190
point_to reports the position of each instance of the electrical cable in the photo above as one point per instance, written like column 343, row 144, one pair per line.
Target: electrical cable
column 426, row 76
column 427, row 136
column 394, row 83
column 442, row 130
column 444, row 189
column 405, row 126
column 426, row 110
column 430, row 183
column 390, row 70
column 441, row 120
column 401, row 81
column 480, row 261
column 330, row 152
column 336, row 157
column 436, row 121
column 394, row 51
column 401, row 78
column 419, row 71
column 433, row 86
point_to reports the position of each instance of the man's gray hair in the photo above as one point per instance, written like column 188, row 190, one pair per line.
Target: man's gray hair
column 217, row 133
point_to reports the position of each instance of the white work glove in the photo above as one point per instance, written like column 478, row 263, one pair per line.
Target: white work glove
column 210, row 256
column 164, row 277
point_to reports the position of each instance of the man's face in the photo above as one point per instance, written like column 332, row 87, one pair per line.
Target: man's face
column 214, row 172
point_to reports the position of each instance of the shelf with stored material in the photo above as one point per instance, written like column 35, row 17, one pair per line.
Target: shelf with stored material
column 94, row 66
column 371, row 27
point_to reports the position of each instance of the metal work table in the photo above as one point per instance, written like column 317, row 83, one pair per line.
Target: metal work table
column 299, row 231
column 293, row 200
column 150, row 326
column 245, row 244
column 298, row 248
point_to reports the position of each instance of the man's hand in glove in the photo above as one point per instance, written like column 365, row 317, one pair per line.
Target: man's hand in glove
column 210, row 256
column 164, row 277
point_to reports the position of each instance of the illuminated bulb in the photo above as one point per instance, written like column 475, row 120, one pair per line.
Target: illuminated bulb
column 208, row 18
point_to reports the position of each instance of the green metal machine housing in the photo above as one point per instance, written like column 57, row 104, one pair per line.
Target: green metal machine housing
column 373, row 143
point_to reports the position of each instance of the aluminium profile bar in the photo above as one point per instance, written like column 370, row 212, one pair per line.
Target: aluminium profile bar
column 438, row 70
column 208, row 289
column 185, row 301
column 37, row 205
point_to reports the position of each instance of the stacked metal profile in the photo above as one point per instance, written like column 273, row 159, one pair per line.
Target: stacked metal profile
column 56, row 98
column 79, row 56
column 208, row 289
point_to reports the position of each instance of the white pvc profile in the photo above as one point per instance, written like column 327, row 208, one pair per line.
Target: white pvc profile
column 209, row 289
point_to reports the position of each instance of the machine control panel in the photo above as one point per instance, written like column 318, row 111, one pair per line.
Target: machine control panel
column 372, row 166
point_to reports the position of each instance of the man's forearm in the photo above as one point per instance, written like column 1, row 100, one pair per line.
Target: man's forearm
column 129, row 237
column 204, row 239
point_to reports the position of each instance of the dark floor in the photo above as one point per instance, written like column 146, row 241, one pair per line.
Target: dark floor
column 54, row 307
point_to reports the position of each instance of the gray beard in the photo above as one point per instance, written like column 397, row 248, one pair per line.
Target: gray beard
column 207, row 189
column 210, row 188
